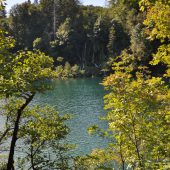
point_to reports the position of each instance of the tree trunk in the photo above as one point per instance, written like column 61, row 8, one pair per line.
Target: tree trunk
column 136, row 145
column 54, row 21
column 4, row 134
column 10, row 165
column 32, row 158
column 121, row 155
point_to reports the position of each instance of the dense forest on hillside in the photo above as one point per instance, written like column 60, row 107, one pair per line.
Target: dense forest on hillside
column 128, row 42
column 85, row 35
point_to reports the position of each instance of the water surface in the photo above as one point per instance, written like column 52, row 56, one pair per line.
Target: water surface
column 83, row 99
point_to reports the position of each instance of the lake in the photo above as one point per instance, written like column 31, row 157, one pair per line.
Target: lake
column 83, row 99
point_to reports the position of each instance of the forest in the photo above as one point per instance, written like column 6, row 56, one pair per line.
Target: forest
column 126, row 43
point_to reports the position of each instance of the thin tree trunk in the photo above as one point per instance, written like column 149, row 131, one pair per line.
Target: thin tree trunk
column 136, row 145
column 122, row 157
column 54, row 22
column 4, row 134
column 85, row 54
column 32, row 158
column 10, row 165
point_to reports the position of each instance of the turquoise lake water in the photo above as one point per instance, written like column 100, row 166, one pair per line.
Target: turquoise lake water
column 83, row 99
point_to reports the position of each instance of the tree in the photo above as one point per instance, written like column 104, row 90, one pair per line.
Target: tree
column 158, row 27
column 138, row 104
column 18, row 78
column 26, row 24
column 118, row 39
column 43, row 135
column 138, row 121
column 136, row 109
column 100, row 39
column 65, row 44
column 56, row 11
column 27, row 68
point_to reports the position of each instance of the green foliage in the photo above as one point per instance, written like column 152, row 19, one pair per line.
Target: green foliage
column 68, row 71
column 57, row 35
column 130, row 3
column 118, row 39
column 44, row 124
column 137, row 104
column 5, row 42
column 44, row 130
column 24, row 70
column 2, row 166
column 37, row 43
column 63, row 32
column 136, row 109
column 22, row 75
column 60, row 59
column 138, row 115
column 157, row 20
column 139, row 44
column 158, row 27
column 98, row 160
column 83, row 35
column 2, row 3
column 163, row 55
column 64, row 9
column 25, row 24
